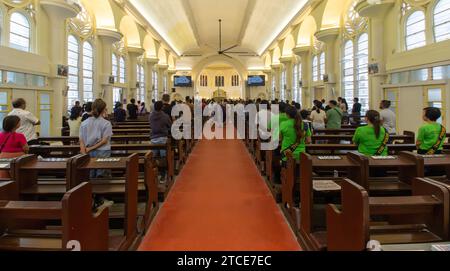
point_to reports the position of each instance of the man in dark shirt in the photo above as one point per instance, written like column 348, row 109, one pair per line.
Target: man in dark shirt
column 132, row 110
column 160, row 124
column 167, row 107
column 119, row 113
column 356, row 110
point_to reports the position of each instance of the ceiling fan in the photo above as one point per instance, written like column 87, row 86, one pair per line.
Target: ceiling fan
column 225, row 52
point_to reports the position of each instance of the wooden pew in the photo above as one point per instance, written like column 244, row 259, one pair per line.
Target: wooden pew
column 117, row 150
column 128, row 191
column 75, row 213
column 422, row 217
column 406, row 138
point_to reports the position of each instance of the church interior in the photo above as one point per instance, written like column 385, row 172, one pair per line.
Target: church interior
column 353, row 93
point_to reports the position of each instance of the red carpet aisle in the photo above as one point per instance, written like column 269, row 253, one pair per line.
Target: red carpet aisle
column 220, row 202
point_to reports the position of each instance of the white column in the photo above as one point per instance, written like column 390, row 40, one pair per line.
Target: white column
column 162, row 71
column 170, row 84
column 288, row 65
column 304, row 52
column 268, row 73
column 107, row 38
column 329, row 37
column 148, row 69
column 376, row 14
column 276, row 72
column 133, row 54
column 58, row 12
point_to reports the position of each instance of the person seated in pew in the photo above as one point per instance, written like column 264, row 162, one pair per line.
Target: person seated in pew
column 431, row 136
column 372, row 139
column 12, row 144
column 334, row 116
column 160, row 124
column 120, row 115
column 95, row 136
column 294, row 134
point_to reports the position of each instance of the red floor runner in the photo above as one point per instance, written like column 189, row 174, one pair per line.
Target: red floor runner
column 220, row 202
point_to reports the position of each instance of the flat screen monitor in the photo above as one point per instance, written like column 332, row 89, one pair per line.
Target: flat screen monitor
column 256, row 81
column 182, row 81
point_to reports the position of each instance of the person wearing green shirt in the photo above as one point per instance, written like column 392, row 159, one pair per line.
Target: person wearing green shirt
column 429, row 138
column 372, row 139
column 282, row 117
column 294, row 132
column 334, row 116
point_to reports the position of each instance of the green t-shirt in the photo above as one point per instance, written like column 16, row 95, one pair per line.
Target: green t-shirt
column 282, row 117
column 289, row 135
column 429, row 135
column 334, row 118
column 367, row 142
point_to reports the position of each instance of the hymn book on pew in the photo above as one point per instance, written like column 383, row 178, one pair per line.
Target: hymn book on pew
column 329, row 158
column 107, row 160
column 325, row 185
column 433, row 156
column 384, row 157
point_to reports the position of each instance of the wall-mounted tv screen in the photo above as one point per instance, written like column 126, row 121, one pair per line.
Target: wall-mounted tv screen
column 256, row 81
column 182, row 81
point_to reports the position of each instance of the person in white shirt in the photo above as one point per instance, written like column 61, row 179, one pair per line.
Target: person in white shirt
column 318, row 116
column 27, row 119
column 263, row 119
column 388, row 119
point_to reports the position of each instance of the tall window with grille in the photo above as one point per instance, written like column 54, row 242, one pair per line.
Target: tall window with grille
column 73, row 55
column 88, row 72
column 283, row 84
column 122, row 69
column 140, row 80
column 315, row 68
column 220, row 81
column 355, row 72
column 235, row 80
column 296, row 78
column 415, row 30
column 441, row 20
column 203, row 80
column 155, row 84
column 19, row 32
column 115, row 67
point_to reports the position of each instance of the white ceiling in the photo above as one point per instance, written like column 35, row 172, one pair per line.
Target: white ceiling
column 191, row 26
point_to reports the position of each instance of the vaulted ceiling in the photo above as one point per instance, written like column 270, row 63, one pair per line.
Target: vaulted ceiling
column 190, row 27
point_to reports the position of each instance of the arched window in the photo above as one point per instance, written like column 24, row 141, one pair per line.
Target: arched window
column 322, row 66
column 315, row 69
column 122, row 68
column 73, row 56
column 115, row 67
column 441, row 18
column 348, row 66
column 362, row 72
column 355, row 74
column 415, row 30
column 88, row 72
column 19, row 32
column 140, row 79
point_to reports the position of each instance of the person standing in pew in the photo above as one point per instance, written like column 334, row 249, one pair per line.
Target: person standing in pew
column 160, row 124
column 95, row 136
column 28, row 121
column 75, row 121
column 87, row 111
column 372, row 139
column 120, row 114
column 431, row 136
column 132, row 109
column 334, row 116
column 294, row 134
column 12, row 144
column 388, row 119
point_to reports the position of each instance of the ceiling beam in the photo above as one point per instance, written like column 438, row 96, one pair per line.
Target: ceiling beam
column 248, row 14
column 191, row 18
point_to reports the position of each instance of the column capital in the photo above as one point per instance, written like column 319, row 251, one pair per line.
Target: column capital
column 151, row 60
column 327, row 35
column 135, row 51
column 162, row 66
column 302, row 51
column 371, row 10
column 60, row 9
column 286, row 59
column 109, row 35
column 276, row 66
